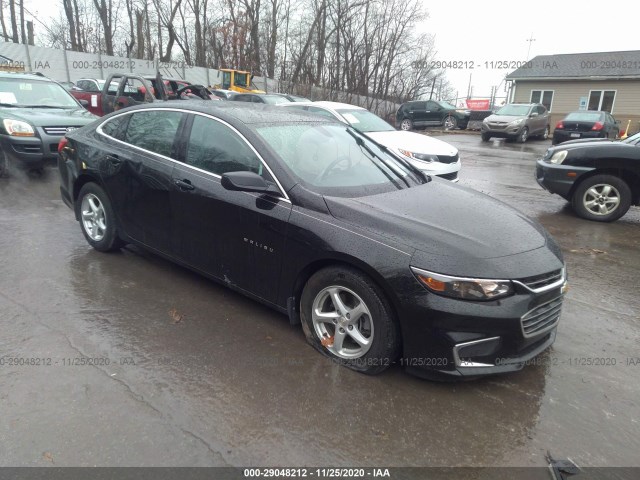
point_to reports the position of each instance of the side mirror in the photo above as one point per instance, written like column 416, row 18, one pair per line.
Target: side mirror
column 247, row 182
column 84, row 103
column 534, row 114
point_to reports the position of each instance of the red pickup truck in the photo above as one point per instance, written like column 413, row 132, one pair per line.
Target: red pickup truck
column 124, row 90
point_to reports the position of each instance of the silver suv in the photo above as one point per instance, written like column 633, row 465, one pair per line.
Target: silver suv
column 517, row 121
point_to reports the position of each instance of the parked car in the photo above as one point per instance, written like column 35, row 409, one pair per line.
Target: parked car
column 586, row 124
column 601, row 178
column 293, row 98
column 125, row 90
column 430, row 155
column 269, row 98
column 517, row 121
column 431, row 113
column 35, row 113
column 223, row 94
column 67, row 85
column 376, row 260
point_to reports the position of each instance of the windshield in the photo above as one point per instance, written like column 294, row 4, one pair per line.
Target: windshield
column 365, row 121
column 23, row 92
column 334, row 160
column 584, row 117
column 446, row 105
column 514, row 110
column 241, row 79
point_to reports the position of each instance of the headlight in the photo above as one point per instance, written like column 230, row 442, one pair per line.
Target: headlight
column 424, row 157
column 517, row 122
column 558, row 157
column 463, row 288
column 18, row 128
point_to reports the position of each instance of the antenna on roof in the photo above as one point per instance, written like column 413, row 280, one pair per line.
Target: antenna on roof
column 530, row 40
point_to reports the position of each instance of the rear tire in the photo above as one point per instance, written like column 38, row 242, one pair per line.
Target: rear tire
column 97, row 220
column 545, row 134
column 358, row 329
column 602, row 198
column 406, row 125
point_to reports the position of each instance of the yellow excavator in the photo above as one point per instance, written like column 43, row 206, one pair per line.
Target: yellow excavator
column 238, row 81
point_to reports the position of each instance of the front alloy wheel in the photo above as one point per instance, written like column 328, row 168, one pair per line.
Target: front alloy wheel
column 524, row 135
column 450, row 122
column 347, row 318
column 603, row 198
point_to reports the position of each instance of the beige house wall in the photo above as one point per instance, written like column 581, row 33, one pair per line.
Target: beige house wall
column 567, row 93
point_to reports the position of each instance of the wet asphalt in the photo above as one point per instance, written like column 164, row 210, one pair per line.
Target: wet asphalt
column 126, row 359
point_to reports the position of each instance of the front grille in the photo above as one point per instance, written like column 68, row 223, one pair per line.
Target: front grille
column 542, row 318
column 449, row 176
column 448, row 158
column 498, row 126
column 57, row 130
column 540, row 281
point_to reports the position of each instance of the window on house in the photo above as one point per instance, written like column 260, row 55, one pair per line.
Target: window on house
column 545, row 97
column 602, row 100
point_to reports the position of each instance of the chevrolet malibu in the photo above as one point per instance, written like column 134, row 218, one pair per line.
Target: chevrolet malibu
column 377, row 261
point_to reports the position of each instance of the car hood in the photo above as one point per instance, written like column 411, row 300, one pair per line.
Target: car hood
column 413, row 142
column 50, row 117
column 443, row 219
column 504, row 118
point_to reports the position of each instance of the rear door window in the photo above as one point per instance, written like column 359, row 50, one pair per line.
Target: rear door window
column 154, row 131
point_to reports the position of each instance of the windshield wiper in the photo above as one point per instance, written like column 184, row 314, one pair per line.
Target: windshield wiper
column 11, row 105
column 366, row 147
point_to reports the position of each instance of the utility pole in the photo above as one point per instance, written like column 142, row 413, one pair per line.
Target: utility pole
column 530, row 40
column 469, row 88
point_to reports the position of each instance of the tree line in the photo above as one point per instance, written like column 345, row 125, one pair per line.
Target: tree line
column 365, row 47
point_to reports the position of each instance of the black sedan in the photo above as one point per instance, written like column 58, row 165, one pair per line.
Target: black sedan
column 601, row 178
column 378, row 262
column 586, row 124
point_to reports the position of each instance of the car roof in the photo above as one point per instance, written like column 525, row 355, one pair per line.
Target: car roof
column 27, row 76
column 234, row 112
column 329, row 105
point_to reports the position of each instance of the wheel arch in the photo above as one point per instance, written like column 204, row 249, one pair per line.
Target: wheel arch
column 345, row 261
column 632, row 179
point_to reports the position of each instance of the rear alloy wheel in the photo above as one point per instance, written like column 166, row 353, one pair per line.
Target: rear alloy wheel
column 346, row 317
column 524, row 135
column 406, row 125
column 97, row 220
column 603, row 198
column 450, row 122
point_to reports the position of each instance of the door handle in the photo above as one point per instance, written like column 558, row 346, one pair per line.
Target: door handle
column 184, row 184
column 114, row 159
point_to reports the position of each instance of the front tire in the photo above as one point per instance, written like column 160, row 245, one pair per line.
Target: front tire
column 486, row 137
column 602, row 198
column 524, row 135
column 450, row 122
column 97, row 220
column 346, row 317
column 4, row 165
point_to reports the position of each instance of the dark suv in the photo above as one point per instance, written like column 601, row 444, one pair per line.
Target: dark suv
column 431, row 113
column 35, row 113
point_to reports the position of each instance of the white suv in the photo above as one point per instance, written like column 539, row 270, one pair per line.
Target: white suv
column 430, row 155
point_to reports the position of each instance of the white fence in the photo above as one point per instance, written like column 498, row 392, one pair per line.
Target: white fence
column 69, row 66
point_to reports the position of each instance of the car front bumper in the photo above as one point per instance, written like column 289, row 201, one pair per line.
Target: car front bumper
column 31, row 152
column 448, row 338
column 448, row 171
column 558, row 179
column 507, row 132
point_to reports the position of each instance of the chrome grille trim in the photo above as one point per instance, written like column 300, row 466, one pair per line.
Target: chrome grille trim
column 542, row 318
column 543, row 283
column 57, row 130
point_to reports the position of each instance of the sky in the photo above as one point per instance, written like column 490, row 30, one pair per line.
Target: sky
column 494, row 30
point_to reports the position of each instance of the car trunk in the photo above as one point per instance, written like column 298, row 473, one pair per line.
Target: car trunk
column 573, row 126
